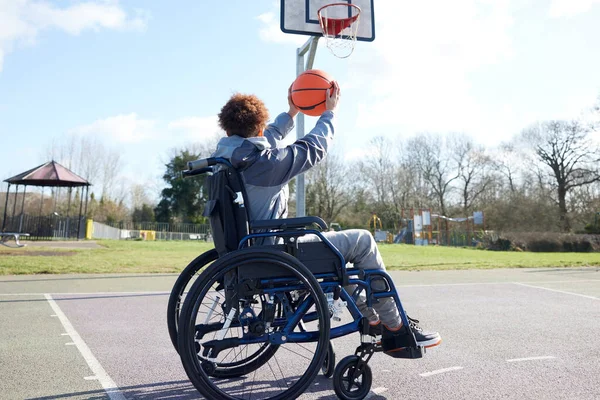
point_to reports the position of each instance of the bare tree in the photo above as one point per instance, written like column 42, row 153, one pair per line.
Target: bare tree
column 328, row 189
column 377, row 169
column 564, row 147
column 139, row 195
column 507, row 161
column 473, row 170
column 431, row 154
column 89, row 158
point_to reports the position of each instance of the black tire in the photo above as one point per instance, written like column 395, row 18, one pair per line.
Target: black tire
column 329, row 364
column 268, row 258
column 229, row 370
column 175, row 299
column 352, row 389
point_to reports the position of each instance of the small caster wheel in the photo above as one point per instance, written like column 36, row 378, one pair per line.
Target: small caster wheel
column 350, row 382
column 329, row 363
column 208, row 367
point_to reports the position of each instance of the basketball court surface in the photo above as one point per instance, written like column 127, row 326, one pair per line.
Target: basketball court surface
column 510, row 334
column 507, row 334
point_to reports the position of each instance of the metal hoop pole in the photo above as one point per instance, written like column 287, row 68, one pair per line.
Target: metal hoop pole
column 309, row 47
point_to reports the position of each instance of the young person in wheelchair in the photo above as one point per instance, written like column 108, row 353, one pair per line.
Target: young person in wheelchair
column 253, row 148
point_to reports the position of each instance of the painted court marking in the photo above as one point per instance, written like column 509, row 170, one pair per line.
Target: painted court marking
column 529, row 283
column 440, row 371
column 558, row 291
column 84, row 293
column 531, row 358
column 109, row 386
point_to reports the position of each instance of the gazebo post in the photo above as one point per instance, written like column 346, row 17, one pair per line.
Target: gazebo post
column 15, row 203
column 5, row 207
column 87, row 195
column 80, row 189
column 42, row 202
column 39, row 218
column 68, row 233
column 22, row 209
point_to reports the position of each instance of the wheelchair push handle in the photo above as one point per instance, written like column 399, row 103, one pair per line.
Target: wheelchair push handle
column 207, row 162
column 204, row 165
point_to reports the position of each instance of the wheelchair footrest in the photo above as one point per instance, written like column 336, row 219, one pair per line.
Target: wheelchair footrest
column 407, row 352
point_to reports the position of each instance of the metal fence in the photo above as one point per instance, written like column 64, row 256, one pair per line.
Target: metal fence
column 162, row 227
column 46, row 227
column 456, row 238
column 160, row 230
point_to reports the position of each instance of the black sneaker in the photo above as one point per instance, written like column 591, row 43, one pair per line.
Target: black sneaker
column 424, row 339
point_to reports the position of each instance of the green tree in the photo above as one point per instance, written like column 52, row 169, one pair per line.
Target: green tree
column 145, row 213
column 183, row 199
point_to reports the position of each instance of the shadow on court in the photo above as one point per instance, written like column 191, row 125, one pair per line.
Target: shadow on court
column 185, row 390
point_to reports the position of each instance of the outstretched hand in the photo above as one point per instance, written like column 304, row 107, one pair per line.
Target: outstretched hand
column 333, row 96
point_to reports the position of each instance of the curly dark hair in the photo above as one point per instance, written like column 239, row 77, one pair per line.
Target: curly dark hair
column 243, row 115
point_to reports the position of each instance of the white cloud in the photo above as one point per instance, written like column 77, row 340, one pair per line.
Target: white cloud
column 23, row 20
column 125, row 128
column 416, row 73
column 270, row 31
column 570, row 8
column 196, row 128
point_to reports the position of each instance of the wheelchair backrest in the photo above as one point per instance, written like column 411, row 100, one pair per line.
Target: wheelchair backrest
column 226, row 209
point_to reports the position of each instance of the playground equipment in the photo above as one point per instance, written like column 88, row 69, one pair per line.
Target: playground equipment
column 457, row 231
column 415, row 227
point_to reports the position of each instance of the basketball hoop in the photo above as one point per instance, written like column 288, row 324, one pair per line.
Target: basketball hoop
column 339, row 24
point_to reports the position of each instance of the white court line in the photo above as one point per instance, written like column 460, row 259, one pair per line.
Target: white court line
column 109, row 386
column 398, row 286
column 531, row 358
column 440, row 371
column 81, row 293
column 558, row 291
column 495, row 283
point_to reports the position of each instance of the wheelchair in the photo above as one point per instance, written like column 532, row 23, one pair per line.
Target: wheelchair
column 256, row 321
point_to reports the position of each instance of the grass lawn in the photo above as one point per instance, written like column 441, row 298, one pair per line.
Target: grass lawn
column 172, row 257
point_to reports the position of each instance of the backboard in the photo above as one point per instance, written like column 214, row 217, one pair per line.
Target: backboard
column 300, row 17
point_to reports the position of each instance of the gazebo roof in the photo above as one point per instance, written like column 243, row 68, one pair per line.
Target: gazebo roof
column 49, row 174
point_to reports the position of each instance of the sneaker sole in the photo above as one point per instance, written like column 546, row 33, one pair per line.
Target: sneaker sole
column 430, row 343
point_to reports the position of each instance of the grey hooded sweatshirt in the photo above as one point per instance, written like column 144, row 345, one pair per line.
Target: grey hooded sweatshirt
column 267, row 168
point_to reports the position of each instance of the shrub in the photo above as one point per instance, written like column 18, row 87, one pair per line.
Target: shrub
column 544, row 246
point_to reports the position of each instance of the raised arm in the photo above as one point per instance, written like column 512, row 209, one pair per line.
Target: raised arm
column 279, row 165
column 278, row 129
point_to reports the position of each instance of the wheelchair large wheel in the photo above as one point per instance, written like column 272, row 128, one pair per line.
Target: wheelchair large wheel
column 181, row 284
column 215, row 331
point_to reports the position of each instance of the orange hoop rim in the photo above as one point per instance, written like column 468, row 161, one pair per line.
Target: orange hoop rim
column 349, row 19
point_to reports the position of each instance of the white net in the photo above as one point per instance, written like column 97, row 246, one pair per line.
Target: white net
column 339, row 23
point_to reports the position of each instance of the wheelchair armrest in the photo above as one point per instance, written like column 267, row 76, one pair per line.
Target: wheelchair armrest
column 288, row 223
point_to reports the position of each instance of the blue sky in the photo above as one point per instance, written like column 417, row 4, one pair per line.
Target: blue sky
column 146, row 76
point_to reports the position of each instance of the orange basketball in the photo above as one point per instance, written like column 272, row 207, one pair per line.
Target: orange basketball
column 309, row 91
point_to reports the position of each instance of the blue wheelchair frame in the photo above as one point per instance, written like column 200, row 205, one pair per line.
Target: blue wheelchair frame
column 330, row 283
column 328, row 287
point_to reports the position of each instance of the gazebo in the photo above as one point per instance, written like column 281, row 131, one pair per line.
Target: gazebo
column 50, row 174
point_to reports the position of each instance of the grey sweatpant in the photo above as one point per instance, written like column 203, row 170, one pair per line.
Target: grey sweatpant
column 359, row 248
